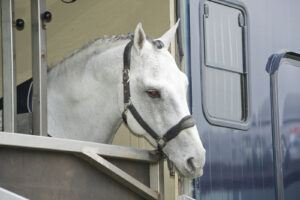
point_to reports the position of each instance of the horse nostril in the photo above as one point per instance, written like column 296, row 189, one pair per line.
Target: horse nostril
column 191, row 164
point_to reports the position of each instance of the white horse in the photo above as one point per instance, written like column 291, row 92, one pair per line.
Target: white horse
column 85, row 96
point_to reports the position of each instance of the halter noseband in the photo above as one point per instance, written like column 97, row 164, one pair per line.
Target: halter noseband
column 184, row 123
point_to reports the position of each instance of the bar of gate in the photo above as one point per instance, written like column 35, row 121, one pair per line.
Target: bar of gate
column 9, row 67
column 39, row 68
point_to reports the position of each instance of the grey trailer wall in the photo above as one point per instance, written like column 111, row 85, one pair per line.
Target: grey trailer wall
column 239, row 162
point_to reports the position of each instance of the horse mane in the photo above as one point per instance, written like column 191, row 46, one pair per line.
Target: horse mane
column 97, row 46
column 101, row 44
column 104, row 41
column 91, row 48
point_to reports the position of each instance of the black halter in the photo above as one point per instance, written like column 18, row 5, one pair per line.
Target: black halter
column 184, row 123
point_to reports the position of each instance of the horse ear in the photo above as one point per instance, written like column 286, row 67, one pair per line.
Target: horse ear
column 139, row 38
column 169, row 35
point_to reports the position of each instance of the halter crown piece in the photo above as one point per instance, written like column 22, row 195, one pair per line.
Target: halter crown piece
column 184, row 123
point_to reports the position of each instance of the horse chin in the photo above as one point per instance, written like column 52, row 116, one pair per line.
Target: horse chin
column 193, row 174
column 189, row 173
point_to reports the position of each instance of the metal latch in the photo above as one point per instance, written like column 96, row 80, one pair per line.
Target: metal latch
column 206, row 10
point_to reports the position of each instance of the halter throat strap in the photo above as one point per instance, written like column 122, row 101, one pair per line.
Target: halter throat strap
column 184, row 123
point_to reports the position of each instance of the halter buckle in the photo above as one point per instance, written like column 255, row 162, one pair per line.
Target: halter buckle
column 126, row 76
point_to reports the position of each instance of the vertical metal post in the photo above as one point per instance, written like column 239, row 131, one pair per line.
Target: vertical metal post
column 276, row 137
column 9, row 70
column 39, row 68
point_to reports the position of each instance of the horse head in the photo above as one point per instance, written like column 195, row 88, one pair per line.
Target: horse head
column 158, row 92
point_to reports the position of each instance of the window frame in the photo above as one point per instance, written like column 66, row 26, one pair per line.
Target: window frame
column 245, row 122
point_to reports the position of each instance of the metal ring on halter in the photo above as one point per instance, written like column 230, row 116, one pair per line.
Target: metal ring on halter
column 161, row 143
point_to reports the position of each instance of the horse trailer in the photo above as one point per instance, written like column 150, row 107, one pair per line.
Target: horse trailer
column 241, row 60
column 245, row 97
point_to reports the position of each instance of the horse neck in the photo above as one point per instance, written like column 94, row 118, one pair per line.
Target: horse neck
column 83, row 95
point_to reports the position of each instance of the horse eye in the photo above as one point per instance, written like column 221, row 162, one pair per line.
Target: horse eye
column 153, row 93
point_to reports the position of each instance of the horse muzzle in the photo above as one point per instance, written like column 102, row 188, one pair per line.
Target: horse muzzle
column 193, row 167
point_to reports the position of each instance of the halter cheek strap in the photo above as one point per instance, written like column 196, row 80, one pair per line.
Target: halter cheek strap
column 184, row 123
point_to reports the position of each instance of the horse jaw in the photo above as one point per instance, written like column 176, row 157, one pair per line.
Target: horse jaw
column 185, row 151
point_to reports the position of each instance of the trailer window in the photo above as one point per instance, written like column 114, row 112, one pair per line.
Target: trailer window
column 225, row 77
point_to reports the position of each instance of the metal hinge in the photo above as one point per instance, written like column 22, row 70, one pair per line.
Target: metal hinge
column 206, row 10
column 241, row 20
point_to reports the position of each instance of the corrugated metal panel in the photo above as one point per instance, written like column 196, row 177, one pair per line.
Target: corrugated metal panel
column 223, row 94
column 223, row 38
